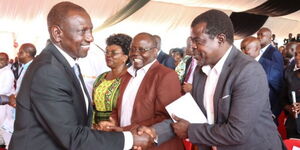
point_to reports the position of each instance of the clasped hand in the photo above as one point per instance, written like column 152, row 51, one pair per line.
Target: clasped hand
column 109, row 125
column 293, row 109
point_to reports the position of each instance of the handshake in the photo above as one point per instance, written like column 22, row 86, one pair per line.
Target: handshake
column 143, row 137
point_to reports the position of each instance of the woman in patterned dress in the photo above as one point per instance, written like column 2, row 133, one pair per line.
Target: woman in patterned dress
column 106, row 86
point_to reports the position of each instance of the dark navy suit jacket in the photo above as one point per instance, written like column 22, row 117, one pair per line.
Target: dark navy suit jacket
column 272, row 62
column 166, row 60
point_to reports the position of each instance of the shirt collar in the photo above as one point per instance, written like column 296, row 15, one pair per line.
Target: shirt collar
column 69, row 59
column 218, row 67
column 296, row 67
column 258, row 57
column 264, row 49
column 133, row 72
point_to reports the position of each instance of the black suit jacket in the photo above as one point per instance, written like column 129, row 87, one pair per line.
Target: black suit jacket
column 241, row 108
column 166, row 60
column 51, row 111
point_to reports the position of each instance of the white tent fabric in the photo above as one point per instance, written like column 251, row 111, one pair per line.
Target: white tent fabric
column 25, row 20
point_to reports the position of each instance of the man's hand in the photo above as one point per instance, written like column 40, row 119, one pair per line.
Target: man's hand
column 293, row 109
column 107, row 125
column 180, row 127
column 187, row 87
column 148, row 130
column 12, row 101
column 141, row 141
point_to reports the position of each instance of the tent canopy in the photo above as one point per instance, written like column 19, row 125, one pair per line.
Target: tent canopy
column 25, row 20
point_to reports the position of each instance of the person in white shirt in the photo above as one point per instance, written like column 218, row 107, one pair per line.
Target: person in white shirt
column 6, row 79
column 231, row 90
column 145, row 91
column 6, row 89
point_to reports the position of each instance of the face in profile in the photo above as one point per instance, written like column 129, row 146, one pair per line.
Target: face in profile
column 114, row 56
column 250, row 48
column 22, row 55
column 207, row 48
column 142, row 51
column 3, row 60
column 264, row 37
column 76, row 34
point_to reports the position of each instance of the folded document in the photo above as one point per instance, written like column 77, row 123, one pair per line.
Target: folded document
column 186, row 108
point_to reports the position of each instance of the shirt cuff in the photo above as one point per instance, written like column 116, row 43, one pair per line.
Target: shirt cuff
column 128, row 142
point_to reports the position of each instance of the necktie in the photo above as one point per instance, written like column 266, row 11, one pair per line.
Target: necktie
column 190, row 69
column 77, row 72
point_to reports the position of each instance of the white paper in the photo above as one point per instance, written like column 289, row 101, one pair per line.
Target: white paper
column 295, row 148
column 186, row 108
column 294, row 96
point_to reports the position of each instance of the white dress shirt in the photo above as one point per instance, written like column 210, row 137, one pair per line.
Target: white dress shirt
column 23, row 70
column 128, row 138
column 72, row 63
column 131, row 91
column 264, row 49
column 213, row 75
column 6, row 82
column 259, row 56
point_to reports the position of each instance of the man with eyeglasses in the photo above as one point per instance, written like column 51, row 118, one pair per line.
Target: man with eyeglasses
column 146, row 89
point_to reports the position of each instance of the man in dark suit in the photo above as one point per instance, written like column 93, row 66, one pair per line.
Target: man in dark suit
column 162, row 57
column 230, row 88
column 53, row 108
column 275, row 68
column 251, row 46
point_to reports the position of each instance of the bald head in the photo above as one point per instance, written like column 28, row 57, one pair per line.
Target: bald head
column 251, row 46
column 3, row 60
column 147, row 37
column 265, row 36
column 142, row 50
column 26, row 53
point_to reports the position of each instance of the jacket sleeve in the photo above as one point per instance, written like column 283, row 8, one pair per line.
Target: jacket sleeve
column 248, row 99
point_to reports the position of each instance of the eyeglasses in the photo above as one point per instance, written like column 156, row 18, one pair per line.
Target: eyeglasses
column 141, row 50
column 113, row 53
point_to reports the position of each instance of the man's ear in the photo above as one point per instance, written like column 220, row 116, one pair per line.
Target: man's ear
column 56, row 33
column 221, row 38
column 155, row 51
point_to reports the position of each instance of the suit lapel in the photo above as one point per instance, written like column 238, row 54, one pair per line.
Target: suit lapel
column 125, row 79
column 198, row 88
column 227, row 68
column 140, row 95
column 71, row 74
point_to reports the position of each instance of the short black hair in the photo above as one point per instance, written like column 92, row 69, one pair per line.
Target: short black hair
column 121, row 40
column 29, row 48
column 58, row 13
column 217, row 22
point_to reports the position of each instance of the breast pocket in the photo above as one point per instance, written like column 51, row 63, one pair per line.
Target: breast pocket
column 223, row 108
